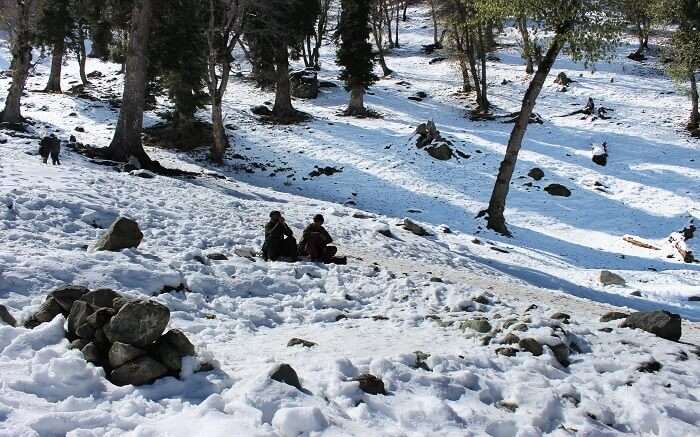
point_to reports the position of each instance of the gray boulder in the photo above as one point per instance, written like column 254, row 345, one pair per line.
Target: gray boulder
column 101, row 298
column 304, row 84
column 78, row 320
column 142, row 370
column 557, row 190
column 531, row 345
column 48, row 310
column 178, row 340
column 561, row 353
column 660, row 323
column 370, row 384
column 121, row 353
column 610, row 278
column 441, row 152
column 479, row 325
column 66, row 295
column 124, row 233
column 167, row 354
column 536, row 173
column 415, row 228
column 285, row 374
column 100, row 317
column 506, row 351
column 6, row 317
column 139, row 323
column 261, row 110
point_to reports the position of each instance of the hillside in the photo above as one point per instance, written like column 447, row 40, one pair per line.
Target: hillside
column 399, row 294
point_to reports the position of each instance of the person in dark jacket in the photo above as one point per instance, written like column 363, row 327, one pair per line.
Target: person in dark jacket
column 315, row 242
column 279, row 239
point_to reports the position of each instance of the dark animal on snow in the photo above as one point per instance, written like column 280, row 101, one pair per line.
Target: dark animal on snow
column 50, row 146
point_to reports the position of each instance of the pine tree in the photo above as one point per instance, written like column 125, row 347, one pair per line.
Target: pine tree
column 56, row 24
column 355, row 52
column 273, row 27
column 178, row 56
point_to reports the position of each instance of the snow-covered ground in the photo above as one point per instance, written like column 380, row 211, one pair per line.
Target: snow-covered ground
column 242, row 313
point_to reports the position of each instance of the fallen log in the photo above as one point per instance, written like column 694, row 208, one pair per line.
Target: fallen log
column 638, row 242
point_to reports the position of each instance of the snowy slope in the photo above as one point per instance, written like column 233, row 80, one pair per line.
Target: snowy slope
column 242, row 313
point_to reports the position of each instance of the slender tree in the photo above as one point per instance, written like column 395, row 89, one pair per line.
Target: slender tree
column 684, row 49
column 223, row 33
column 589, row 30
column 355, row 52
column 127, row 141
column 20, row 19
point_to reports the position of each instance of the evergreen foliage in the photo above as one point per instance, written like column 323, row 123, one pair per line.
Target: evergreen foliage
column 354, row 49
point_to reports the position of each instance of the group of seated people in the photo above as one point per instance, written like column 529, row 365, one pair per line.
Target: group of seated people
column 280, row 244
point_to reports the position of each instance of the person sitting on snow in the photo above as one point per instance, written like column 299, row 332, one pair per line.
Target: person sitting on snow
column 315, row 242
column 279, row 239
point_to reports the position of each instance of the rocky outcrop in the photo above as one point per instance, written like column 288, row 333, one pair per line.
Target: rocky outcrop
column 415, row 228
column 286, row 375
column 6, row 317
column 609, row 278
column 370, row 384
column 429, row 138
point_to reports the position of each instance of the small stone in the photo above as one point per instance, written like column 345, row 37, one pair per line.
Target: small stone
column 520, row 327
column 561, row 353
column 609, row 278
column 636, row 293
column 482, row 299
column 124, row 233
column 92, row 353
column 651, row 366
column 506, row 351
column 370, row 384
column 122, row 353
column 217, row 257
column 606, row 330
column 78, row 344
column 421, row 358
column 561, row 316
column 286, row 374
column 298, row 341
column 531, row 345
column 557, row 190
column 660, row 323
column 510, row 338
column 536, row 174
column 694, row 299
column 613, row 315
column 6, row 317
column 479, row 325
column 436, row 279
column 142, row 370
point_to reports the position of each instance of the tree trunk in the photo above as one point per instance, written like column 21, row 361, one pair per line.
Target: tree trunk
column 469, row 51
column 82, row 57
column 101, row 36
column 21, row 63
column 694, row 122
column 357, row 101
column 220, row 140
column 54, row 84
column 127, row 137
column 379, row 41
column 283, row 108
column 484, row 101
column 527, row 50
column 497, row 204
column 433, row 13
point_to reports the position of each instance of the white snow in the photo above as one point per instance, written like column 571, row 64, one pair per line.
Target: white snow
column 240, row 314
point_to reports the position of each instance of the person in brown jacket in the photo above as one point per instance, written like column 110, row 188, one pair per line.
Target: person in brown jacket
column 315, row 242
column 279, row 240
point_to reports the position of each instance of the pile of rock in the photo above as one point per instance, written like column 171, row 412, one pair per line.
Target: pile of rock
column 429, row 138
column 124, row 336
